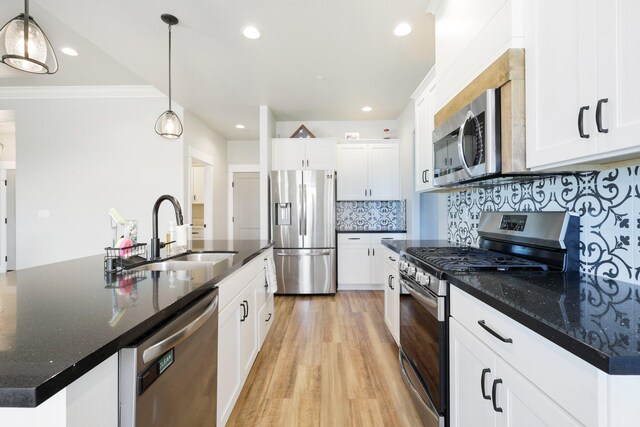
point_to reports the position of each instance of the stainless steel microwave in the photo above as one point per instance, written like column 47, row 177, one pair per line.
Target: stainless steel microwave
column 467, row 146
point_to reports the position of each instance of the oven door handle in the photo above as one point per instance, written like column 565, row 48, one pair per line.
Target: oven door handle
column 428, row 301
column 463, row 161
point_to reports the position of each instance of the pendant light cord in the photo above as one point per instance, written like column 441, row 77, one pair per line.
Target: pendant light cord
column 169, row 67
column 26, row 28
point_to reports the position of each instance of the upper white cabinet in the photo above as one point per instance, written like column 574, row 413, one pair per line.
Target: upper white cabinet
column 297, row 153
column 582, row 81
column 423, row 148
column 470, row 36
column 369, row 171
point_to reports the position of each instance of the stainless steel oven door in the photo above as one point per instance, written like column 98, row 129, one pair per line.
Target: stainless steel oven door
column 423, row 344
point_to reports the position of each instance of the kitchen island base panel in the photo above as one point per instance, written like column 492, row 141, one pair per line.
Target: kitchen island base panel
column 90, row 400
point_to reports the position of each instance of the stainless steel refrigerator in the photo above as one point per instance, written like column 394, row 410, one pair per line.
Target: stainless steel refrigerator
column 304, row 218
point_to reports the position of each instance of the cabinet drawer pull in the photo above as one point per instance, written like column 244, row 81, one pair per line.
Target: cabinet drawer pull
column 484, row 394
column 494, row 333
column 392, row 259
column 581, row 122
column 373, row 252
column 268, row 318
column 493, row 394
column 368, row 251
column 353, row 238
column 245, row 311
column 599, row 115
column 391, row 285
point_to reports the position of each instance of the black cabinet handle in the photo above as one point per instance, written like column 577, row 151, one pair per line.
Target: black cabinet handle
column 484, row 394
column 268, row 318
column 426, row 176
column 368, row 251
column 581, row 122
column 307, row 163
column 244, row 311
column 494, row 333
column 599, row 115
column 493, row 394
column 373, row 252
column 392, row 259
column 392, row 288
column 389, row 281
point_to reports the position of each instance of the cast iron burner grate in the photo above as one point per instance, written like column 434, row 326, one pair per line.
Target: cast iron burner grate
column 462, row 259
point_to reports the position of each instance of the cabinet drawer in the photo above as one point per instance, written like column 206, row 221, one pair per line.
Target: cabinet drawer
column 354, row 239
column 231, row 286
column 391, row 258
column 380, row 237
column 265, row 319
column 567, row 379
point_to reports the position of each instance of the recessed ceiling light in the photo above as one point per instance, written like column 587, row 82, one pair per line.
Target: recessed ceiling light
column 366, row 109
column 69, row 51
column 402, row 29
column 251, row 33
column 319, row 77
column 239, row 126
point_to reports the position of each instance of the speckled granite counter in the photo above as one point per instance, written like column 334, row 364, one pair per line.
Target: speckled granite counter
column 59, row 321
column 593, row 317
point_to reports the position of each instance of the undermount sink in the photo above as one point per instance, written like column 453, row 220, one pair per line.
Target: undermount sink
column 204, row 257
column 189, row 261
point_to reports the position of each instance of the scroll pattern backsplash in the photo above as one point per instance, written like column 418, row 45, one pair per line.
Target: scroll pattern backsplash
column 608, row 203
column 371, row 216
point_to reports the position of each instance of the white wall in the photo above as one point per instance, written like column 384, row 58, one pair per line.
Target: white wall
column 267, row 132
column 369, row 129
column 78, row 157
column 201, row 137
column 240, row 152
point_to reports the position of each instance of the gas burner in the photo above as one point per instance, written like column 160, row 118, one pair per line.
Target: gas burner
column 466, row 259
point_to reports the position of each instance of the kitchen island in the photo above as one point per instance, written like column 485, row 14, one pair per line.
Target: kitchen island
column 60, row 321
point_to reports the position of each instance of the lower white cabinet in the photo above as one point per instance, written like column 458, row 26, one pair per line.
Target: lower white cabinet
column 487, row 391
column 244, row 321
column 361, row 259
column 503, row 374
column 392, row 293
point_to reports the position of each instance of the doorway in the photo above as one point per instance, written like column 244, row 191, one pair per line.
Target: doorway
column 246, row 205
column 7, row 190
column 200, row 190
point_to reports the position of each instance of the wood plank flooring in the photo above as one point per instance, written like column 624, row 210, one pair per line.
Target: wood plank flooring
column 327, row 361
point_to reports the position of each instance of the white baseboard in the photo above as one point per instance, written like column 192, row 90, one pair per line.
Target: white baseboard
column 360, row 287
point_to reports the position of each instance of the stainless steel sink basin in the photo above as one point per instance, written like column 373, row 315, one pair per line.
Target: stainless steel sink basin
column 190, row 261
column 172, row 265
column 205, row 257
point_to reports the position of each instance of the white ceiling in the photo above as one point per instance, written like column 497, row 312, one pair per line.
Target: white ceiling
column 223, row 77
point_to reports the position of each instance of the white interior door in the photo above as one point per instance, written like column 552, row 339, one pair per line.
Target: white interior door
column 246, row 205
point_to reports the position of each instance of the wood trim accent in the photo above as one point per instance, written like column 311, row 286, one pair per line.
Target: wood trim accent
column 509, row 67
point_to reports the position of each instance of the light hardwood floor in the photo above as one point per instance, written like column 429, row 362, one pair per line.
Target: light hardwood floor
column 327, row 361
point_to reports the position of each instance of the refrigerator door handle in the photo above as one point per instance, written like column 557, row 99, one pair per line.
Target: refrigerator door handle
column 304, row 206
column 301, row 210
column 327, row 253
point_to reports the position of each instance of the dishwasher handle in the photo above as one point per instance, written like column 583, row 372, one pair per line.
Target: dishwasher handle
column 175, row 339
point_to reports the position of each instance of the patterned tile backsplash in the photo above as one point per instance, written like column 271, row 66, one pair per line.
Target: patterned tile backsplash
column 371, row 216
column 608, row 203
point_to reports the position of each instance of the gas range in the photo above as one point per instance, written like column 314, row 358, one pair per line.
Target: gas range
column 509, row 241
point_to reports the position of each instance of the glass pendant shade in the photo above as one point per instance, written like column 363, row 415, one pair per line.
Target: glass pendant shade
column 168, row 125
column 39, row 57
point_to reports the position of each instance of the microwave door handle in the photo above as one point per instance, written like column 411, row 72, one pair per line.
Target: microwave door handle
column 463, row 161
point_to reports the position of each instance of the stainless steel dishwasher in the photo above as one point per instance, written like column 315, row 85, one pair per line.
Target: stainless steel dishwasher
column 170, row 377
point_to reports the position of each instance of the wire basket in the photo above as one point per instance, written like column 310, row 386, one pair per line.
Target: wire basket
column 116, row 259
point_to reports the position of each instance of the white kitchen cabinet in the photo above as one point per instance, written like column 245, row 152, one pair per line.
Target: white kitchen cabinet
column 423, row 143
column 369, row 171
column 531, row 391
column 197, row 180
column 296, row 153
column 392, row 293
column 361, row 259
column 502, row 397
column 244, row 299
column 582, row 74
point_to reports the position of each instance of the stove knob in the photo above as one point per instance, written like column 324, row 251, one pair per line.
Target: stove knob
column 424, row 280
column 403, row 265
column 411, row 271
column 419, row 277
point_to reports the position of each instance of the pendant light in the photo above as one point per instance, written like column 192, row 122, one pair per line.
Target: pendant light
column 29, row 50
column 168, row 124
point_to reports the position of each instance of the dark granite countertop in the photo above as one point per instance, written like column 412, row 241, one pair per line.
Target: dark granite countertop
column 60, row 320
column 370, row 231
column 592, row 317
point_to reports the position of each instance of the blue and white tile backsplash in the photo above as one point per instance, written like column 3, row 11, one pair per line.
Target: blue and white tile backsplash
column 371, row 216
column 608, row 203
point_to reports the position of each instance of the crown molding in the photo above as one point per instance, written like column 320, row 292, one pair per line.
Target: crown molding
column 433, row 5
column 60, row 92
